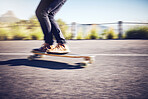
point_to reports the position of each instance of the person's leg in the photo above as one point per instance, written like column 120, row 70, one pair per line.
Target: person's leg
column 55, row 27
column 45, row 14
column 61, row 46
column 45, row 25
column 43, row 18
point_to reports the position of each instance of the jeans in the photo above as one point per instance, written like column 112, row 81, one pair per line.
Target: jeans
column 45, row 13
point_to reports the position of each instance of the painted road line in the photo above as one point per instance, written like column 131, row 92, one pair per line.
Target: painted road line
column 118, row 54
column 84, row 54
column 15, row 53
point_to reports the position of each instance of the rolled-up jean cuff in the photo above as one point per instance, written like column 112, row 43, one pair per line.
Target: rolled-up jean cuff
column 49, row 43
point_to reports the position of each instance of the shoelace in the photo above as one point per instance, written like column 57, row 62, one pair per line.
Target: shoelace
column 59, row 47
column 45, row 46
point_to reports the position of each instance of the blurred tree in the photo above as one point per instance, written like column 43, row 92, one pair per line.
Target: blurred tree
column 103, row 34
column 93, row 34
column 3, row 34
column 110, row 34
column 139, row 32
column 22, row 22
column 64, row 28
column 33, row 22
column 79, row 36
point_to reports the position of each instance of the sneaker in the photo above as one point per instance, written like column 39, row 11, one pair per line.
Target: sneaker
column 43, row 48
column 60, row 48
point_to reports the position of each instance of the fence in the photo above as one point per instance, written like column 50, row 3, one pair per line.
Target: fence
column 119, row 27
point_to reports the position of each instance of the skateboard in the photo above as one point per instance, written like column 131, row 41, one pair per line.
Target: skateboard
column 87, row 59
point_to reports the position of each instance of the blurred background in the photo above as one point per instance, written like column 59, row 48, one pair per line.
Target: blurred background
column 78, row 19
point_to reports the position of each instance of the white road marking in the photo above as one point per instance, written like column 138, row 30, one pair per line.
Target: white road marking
column 15, row 53
column 82, row 54
column 119, row 54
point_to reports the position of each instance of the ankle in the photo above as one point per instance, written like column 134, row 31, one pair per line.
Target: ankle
column 46, row 44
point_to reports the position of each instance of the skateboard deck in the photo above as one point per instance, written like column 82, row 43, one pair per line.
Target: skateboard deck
column 87, row 59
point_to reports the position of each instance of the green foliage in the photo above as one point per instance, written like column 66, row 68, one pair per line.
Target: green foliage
column 63, row 28
column 92, row 35
column 19, row 33
column 33, row 22
column 22, row 33
column 68, row 36
column 28, row 30
column 79, row 36
column 3, row 34
column 36, row 33
column 139, row 32
column 103, row 34
column 110, row 34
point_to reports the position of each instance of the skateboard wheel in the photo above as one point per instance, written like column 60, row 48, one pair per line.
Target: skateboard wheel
column 92, row 59
column 85, row 63
column 38, row 56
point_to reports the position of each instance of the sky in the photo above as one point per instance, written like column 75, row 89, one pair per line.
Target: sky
column 85, row 11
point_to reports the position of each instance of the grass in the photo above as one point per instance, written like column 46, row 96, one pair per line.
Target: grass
column 21, row 33
column 4, row 35
column 92, row 34
column 36, row 33
column 110, row 34
column 79, row 35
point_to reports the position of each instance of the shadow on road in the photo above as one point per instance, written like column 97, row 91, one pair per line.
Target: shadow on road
column 40, row 64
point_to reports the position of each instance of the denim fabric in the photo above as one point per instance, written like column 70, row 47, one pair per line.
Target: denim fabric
column 45, row 13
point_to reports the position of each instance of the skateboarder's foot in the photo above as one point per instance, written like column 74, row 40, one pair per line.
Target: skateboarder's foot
column 60, row 48
column 43, row 48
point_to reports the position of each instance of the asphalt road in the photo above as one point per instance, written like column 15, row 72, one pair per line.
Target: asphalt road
column 119, row 72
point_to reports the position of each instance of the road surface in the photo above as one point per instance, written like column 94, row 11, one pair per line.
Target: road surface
column 119, row 72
